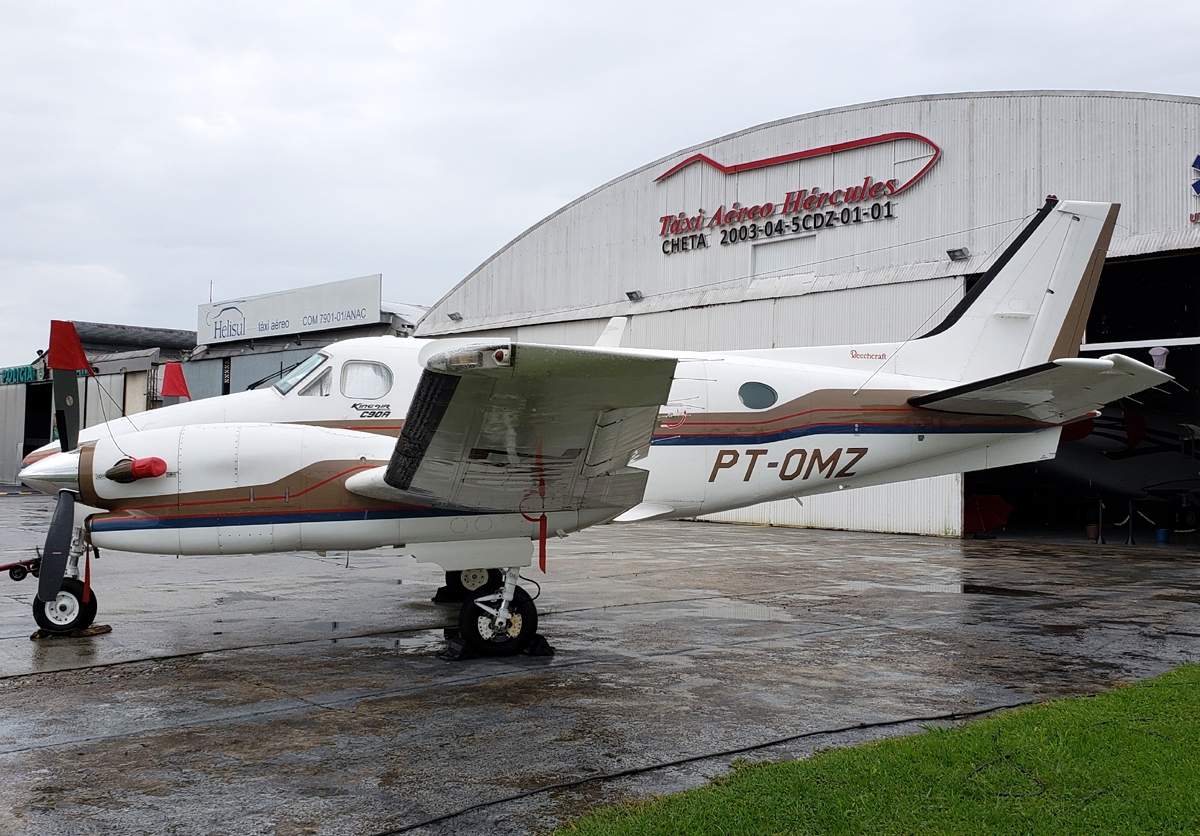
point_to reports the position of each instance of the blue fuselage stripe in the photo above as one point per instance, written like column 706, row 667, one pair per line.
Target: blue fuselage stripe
column 101, row 524
column 837, row 429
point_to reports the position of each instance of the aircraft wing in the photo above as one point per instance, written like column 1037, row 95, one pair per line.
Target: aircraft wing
column 511, row 427
column 1056, row 392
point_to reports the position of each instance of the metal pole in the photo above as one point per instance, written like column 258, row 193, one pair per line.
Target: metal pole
column 1129, row 541
column 1099, row 521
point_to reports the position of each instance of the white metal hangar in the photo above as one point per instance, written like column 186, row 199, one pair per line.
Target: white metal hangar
column 859, row 223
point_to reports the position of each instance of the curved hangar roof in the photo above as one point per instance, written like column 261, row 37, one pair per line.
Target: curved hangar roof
column 868, row 194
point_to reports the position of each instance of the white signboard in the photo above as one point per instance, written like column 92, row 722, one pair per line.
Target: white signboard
column 319, row 308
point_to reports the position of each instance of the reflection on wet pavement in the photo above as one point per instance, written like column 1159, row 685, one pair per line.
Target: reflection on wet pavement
column 290, row 694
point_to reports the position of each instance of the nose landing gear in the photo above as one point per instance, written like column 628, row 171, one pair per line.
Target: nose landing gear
column 68, row 611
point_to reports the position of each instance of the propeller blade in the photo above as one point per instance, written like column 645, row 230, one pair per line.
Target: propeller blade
column 66, row 357
column 66, row 407
column 58, row 545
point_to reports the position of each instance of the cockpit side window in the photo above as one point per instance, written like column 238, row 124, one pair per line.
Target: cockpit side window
column 302, row 370
column 365, row 379
column 321, row 387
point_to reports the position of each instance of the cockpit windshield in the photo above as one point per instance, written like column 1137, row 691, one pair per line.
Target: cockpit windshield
column 289, row 380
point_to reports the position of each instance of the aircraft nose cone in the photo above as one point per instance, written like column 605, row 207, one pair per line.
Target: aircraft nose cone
column 57, row 472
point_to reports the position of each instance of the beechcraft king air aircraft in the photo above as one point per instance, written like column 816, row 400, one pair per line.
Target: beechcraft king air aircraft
column 503, row 442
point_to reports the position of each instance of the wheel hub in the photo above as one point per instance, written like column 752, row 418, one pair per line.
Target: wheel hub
column 63, row 610
column 472, row 579
column 490, row 628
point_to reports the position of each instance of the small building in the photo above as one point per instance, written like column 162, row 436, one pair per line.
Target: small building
column 250, row 341
column 126, row 379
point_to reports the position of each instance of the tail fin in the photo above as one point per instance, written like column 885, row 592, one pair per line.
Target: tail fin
column 613, row 332
column 1030, row 307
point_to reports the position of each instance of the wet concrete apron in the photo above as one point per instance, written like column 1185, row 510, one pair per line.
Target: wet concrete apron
column 292, row 694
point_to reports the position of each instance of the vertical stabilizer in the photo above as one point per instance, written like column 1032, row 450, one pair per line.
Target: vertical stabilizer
column 614, row 331
column 1030, row 307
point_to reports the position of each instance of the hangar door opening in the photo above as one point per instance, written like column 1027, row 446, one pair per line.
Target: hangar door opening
column 1141, row 456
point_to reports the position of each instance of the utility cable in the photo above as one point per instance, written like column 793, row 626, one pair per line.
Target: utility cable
column 784, row 270
column 104, row 414
column 640, row 770
column 948, row 299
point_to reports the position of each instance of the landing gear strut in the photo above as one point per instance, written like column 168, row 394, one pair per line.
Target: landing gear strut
column 68, row 611
column 500, row 623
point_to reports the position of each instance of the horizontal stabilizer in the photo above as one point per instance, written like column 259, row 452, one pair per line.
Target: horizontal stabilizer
column 1055, row 393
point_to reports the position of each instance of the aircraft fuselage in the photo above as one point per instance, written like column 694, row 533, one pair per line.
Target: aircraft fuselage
column 265, row 470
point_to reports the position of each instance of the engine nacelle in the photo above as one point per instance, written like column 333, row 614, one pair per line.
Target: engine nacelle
column 237, row 489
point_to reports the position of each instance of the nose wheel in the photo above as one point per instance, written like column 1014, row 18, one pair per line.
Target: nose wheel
column 68, row 611
column 502, row 623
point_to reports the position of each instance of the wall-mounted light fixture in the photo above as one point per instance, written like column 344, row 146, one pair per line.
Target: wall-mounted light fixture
column 455, row 315
column 1158, row 356
column 960, row 254
column 634, row 295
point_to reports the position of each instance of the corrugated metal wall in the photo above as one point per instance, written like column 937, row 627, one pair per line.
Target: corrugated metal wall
column 871, row 314
column 12, row 434
column 1002, row 154
column 924, row 506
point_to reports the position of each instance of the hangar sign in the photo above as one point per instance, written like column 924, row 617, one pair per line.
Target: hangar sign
column 333, row 305
column 806, row 210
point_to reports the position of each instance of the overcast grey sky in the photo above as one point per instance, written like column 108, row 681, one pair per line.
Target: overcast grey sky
column 148, row 148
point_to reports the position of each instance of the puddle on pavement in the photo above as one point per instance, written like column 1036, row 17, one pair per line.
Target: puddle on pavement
column 1061, row 629
column 237, row 596
column 331, row 627
column 983, row 589
column 1175, row 596
column 743, row 611
column 947, row 588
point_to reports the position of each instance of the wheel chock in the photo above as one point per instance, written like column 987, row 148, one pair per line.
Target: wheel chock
column 87, row 632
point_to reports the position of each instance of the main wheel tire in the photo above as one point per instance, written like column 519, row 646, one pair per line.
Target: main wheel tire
column 67, row 612
column 478, row 630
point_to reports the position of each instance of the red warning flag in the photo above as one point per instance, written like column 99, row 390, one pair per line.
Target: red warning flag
column 174, row 385
column 66, row 352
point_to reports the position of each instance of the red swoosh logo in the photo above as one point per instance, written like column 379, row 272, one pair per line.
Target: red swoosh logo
column 823, row 151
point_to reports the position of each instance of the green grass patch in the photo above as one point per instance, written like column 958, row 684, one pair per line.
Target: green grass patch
column 1127, row 761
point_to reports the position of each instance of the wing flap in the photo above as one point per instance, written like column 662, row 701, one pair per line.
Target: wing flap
column 1055, row 393
column 522, row 427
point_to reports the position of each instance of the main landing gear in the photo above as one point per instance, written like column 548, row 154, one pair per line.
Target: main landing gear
column 498, row 620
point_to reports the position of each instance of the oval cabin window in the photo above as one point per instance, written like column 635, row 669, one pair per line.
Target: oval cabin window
column 364, row 379
column 757, row 395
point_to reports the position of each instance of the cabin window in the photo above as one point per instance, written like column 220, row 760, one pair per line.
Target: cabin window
column 364, row 379
column 320, row 387
column 757, row 395
column 301, row 371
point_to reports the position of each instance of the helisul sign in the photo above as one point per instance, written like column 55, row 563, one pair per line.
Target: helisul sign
column 318, row 308
column 794, row 212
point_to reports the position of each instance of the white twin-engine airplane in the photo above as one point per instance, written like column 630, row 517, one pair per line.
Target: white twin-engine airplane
column 504, row 442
